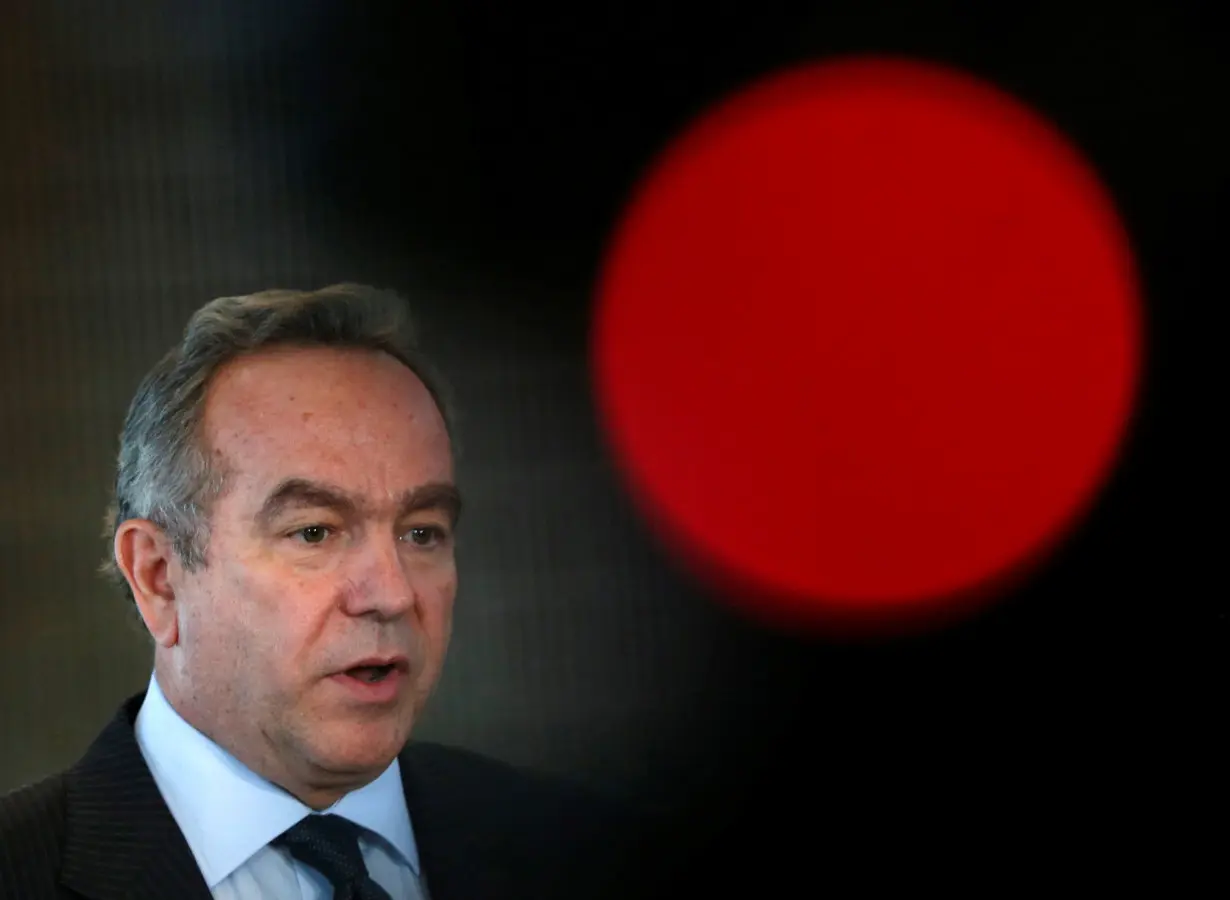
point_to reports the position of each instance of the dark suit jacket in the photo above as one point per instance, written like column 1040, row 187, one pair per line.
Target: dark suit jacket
column 101, row 830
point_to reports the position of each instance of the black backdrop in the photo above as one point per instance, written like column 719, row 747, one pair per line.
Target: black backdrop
column 474, row 156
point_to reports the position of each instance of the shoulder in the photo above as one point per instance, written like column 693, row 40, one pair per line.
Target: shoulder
column 32, row 827
column 514, row 793
column 564, row 832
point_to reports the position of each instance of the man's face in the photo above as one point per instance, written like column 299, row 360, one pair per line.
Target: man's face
column 331, row 545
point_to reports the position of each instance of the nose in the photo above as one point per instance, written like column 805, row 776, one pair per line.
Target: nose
column 382, row 585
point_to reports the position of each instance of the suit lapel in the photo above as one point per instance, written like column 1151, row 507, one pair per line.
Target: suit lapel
column 122, row 841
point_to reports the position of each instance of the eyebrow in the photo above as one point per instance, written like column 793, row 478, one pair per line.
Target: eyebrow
column 302, row 492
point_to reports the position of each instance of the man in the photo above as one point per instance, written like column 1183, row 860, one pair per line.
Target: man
column 283, row 521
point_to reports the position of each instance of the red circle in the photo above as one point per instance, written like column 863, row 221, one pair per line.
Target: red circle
column 866, row 338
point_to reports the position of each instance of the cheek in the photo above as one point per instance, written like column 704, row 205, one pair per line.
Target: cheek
column 253, row 618
column 215, row 652
column 438, row 605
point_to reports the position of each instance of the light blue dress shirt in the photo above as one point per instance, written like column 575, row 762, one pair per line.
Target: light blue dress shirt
column 229, row 814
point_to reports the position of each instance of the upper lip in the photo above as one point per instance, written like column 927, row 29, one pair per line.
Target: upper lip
column 401, row 663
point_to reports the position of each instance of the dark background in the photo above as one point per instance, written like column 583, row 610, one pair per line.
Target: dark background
column 474, row 157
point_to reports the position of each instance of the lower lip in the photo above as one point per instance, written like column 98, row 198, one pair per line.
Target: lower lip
column 384, row 691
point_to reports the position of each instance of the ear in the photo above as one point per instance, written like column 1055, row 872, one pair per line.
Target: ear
column 144, row 554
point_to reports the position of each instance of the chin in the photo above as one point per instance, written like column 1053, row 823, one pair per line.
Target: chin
column 370, row 746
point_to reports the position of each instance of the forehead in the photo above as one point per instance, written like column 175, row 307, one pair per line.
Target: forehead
column 354, row 417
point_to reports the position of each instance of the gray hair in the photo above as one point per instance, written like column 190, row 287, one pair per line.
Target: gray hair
column 164, row 472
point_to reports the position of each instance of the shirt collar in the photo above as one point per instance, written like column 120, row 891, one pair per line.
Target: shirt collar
column 227, row 812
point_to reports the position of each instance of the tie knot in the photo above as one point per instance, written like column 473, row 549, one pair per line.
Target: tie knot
column 330, row 845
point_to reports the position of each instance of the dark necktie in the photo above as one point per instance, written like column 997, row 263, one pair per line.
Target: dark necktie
column 330, row 845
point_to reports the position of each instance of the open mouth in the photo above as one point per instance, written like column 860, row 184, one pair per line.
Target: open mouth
column 371, row 674
column 378, row 679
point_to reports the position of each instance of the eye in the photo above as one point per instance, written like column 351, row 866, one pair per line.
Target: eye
column 312, row 534
column 425, row 535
